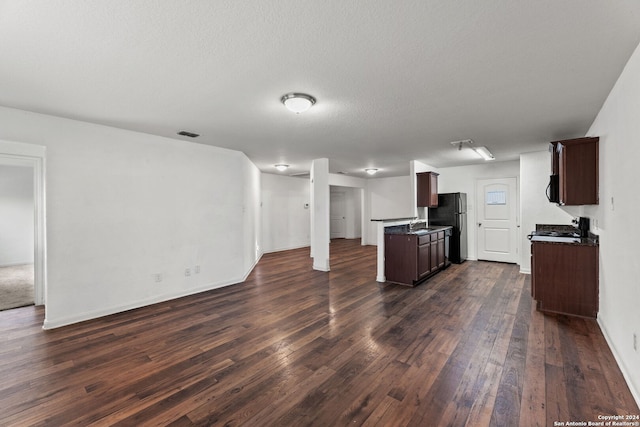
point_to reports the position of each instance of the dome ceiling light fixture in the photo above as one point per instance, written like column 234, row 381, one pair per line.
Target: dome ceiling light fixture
column 371, row 171
column 281, row 167
column 298, row 102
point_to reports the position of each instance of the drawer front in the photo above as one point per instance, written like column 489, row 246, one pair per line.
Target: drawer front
column 440, row 235
column 425, row 238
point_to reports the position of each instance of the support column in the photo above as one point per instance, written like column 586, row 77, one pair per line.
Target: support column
column 320, row 203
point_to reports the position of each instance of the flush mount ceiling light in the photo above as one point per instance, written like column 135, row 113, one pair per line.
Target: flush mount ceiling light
column 371, row 171
column 298, row 102
column 281, row 167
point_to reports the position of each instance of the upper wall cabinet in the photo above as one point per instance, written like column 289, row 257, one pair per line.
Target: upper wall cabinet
column 575, row 161
column 427, row 185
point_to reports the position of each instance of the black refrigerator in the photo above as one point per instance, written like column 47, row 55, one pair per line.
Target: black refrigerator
column 452, row 210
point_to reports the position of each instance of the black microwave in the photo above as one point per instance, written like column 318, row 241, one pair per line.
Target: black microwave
column 553, row 189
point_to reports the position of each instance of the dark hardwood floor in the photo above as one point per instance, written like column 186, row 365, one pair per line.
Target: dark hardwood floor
column 292, row 347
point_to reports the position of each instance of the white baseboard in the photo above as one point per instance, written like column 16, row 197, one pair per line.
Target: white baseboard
column 14, row 264
column 244, row 278
column 625, row 372
column 90, row 315
column 525, row 270
column 321, row 265
column 287, row 248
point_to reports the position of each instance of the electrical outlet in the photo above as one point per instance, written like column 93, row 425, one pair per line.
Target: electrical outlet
column 196, row 269
column 157, row 277
column 187, row 272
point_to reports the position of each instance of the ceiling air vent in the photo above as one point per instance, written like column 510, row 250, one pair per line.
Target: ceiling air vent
column 189, row 134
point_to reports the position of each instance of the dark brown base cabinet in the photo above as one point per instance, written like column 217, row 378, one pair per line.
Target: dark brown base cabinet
column 411, row 258
column 565, row 278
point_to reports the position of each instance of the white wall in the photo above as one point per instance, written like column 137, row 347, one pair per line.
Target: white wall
column 463, row 179
column 285, row 219
column 387, row 198
column 123, row 206
column 16, row 215
column 535, row 208
column 618, row 127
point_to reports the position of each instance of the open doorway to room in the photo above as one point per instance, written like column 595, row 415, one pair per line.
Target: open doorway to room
column 17, row 281
column 22, row 223
column 345, row 212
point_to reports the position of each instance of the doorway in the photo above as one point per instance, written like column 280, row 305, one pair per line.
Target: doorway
column 497, row 202
column 18, row 159
column 345, row 212
column 337, row 214
column 17, row 231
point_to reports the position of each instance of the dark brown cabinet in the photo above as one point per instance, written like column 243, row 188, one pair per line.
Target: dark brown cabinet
column 575, row 162
column 427, row 187
column 565, row 278
column 410, row 258
column 441, row 255
column 424, row 260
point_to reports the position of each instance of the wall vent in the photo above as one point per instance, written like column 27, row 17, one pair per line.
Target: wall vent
column 189, row 134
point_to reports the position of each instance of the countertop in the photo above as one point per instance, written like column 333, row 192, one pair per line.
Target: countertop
column 404, row 229
column 394, row 219
column 562, row 235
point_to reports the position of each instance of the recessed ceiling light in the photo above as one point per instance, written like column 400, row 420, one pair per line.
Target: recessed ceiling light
column 371, row 171
column 298, row 102
column 281, row 167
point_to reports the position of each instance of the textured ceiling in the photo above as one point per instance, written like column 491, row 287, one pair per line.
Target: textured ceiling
column 394, row 80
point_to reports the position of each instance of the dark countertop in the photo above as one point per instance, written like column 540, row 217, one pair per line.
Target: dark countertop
column 404, row 229
column 562, row 235
column 394, row 219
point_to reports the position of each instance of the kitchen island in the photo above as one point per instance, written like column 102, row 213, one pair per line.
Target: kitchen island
column 381, row 225
column 412, row 255
column 409, row 251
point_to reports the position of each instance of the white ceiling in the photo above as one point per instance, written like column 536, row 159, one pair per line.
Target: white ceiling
column 395, row 80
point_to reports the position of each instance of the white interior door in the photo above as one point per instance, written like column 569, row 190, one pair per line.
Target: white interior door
column 338, row 215
column 497, row 219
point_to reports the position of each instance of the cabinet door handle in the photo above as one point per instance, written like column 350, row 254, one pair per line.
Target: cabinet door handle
column 479, row 224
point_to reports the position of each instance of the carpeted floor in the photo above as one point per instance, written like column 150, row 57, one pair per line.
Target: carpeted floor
column 16, row 286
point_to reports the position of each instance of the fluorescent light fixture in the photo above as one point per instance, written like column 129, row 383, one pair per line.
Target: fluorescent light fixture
column 483, row 152
column 281, row 167
column 371, row 171
column 298, row 102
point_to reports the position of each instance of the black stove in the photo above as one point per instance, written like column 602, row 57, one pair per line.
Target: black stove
column 556, row 233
